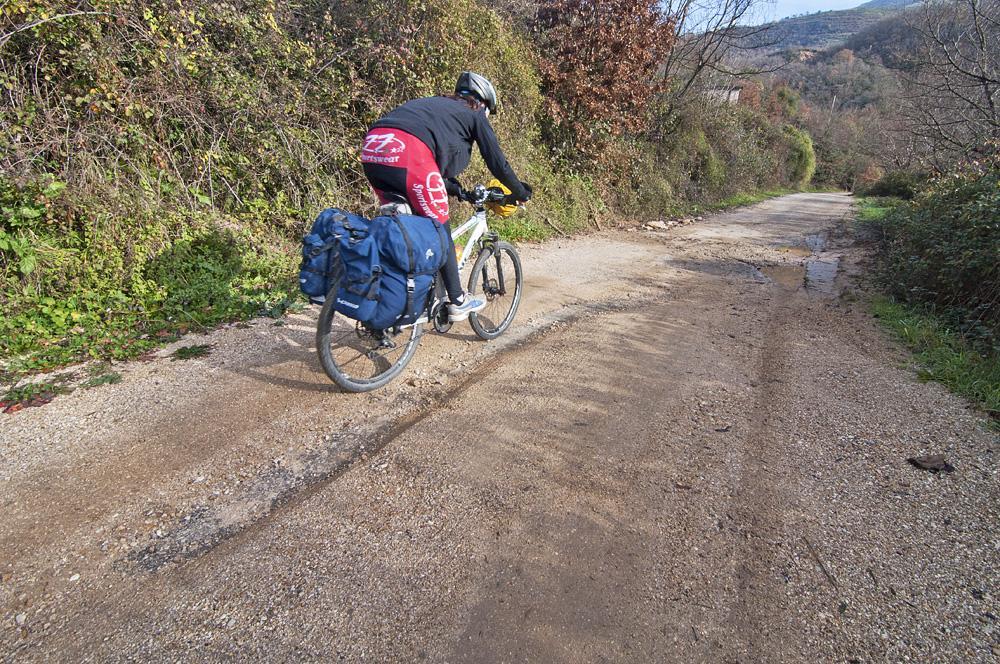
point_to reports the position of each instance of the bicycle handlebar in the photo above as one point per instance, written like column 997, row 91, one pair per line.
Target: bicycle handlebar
column 481, row 194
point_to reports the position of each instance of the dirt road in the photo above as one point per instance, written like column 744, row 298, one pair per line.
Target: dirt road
column 691, row 447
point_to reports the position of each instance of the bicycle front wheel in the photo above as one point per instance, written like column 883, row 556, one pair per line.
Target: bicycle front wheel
column 496, row 277
column 357, row 358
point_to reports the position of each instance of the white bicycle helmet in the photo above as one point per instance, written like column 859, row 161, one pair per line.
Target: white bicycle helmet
column 471, row 84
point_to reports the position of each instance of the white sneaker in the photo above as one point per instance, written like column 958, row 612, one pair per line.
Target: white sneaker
column 467, row 305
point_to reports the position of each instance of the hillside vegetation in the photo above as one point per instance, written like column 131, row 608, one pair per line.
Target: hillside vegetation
column 159, row 160
column 823, row 29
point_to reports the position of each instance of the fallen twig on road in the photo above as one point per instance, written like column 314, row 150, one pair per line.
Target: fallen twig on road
column 826, row 572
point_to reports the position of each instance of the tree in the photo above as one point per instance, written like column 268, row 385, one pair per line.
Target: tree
column 710, row 36
column 952, row 79
column 600, row 66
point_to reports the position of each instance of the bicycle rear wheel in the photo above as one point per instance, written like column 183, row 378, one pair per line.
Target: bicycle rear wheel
column 496, row 276
column 357, row 358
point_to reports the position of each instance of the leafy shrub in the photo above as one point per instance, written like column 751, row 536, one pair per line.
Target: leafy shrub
column 801, row 162
column 941, row 250
column 599, row 66
column 898, row 184
column 709, row 153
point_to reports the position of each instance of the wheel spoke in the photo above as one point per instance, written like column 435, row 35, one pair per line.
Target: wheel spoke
column 497, row 277
column 359, row 359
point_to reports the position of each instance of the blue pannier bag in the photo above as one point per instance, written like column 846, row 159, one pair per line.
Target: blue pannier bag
column 412, row 249
column 339, row 244
column 359, row 291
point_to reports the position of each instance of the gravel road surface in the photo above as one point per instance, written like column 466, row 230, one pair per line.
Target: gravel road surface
column 690, row 447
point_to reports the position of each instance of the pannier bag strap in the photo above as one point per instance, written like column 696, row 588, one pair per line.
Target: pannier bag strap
column 410, row 283
column 376, row 277
column 368, row 288
column 316, row 251
column 343, row 220
column 409, row 245
column 411, row 286
column 313, row 253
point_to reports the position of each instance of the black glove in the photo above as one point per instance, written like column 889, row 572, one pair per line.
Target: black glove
column 453, row 187
column 514, row 200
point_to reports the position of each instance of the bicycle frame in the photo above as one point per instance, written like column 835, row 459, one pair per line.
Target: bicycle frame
column 477, row 226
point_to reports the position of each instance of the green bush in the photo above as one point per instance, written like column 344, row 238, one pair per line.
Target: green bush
column 942, row 251
column 943, row 355
column 801, row 162
column 897, row 184
column 712, row 153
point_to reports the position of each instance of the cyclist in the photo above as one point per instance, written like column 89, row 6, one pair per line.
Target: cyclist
column 413, row 154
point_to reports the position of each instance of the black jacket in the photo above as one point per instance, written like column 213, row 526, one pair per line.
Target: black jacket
column 449, row 127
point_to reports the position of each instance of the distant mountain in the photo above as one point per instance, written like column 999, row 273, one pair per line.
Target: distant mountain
column 822, row 30
column 889, row 41
column 886, row 4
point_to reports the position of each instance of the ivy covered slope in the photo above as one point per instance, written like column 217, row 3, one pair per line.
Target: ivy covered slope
column 159, row 161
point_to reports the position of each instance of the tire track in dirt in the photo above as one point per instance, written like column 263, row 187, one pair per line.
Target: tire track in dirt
column 264, row 400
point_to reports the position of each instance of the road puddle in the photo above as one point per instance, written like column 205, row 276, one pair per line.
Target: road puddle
column 821, row 272
column 816, row 243
column 790, row 277
column 817, row 274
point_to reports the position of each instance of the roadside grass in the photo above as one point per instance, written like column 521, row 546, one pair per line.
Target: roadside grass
column 194, row 287
column 874, row 209
column 31, row 394
column 743, row 199
column 735, row 201
column 192, row 352
column 110, row 378
column 942, row 355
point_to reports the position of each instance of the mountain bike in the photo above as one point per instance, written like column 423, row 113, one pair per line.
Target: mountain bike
column 361, row 359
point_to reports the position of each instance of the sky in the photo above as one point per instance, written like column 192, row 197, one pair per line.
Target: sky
column 781, row 8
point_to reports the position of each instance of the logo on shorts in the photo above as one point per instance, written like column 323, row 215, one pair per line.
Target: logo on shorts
column 436, row 191
column 432, row 198
column 383, row 144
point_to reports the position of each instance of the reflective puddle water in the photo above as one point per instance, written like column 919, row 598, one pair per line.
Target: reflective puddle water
column 816, row 274
column 791, row 277
column 821, row 273
column 816, row 243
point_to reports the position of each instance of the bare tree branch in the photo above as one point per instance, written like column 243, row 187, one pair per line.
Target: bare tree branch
column 952, row 77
